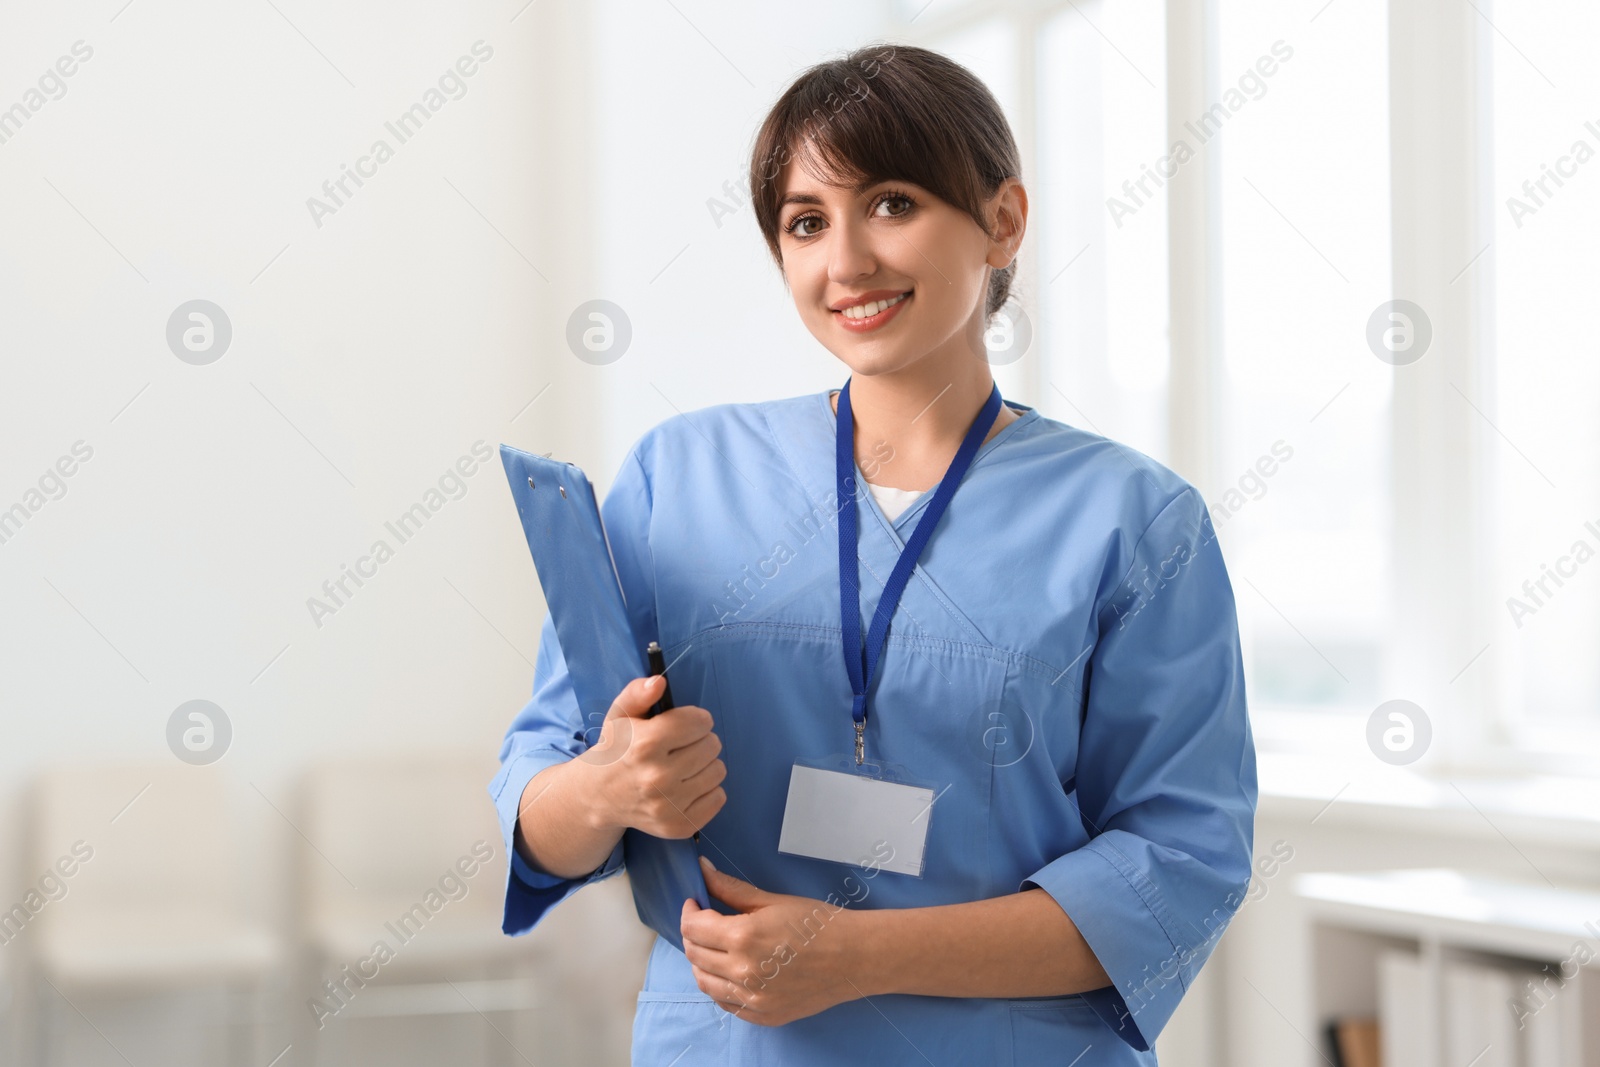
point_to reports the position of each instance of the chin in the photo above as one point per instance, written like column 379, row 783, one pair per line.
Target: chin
column 871, row 357
column 871, row 364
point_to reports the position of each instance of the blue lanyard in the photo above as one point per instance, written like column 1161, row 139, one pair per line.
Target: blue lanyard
column 859, row 662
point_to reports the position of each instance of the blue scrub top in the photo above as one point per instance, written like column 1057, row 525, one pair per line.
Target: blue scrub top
column 1064, row 664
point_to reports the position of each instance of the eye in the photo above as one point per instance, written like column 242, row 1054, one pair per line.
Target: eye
column 889, row 196
column 893, row 196
column 798, row 221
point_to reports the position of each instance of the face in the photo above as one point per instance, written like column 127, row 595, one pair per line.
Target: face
column 892, row 242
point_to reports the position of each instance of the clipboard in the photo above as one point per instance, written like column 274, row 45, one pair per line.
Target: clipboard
column 562, row 524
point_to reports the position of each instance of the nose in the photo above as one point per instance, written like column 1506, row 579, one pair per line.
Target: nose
column 850, row 255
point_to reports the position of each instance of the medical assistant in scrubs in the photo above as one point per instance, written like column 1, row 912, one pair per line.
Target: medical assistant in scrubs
column 1064, row 665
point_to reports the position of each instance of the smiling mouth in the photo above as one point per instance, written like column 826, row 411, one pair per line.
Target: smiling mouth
column 869, row 316
column 872, row 307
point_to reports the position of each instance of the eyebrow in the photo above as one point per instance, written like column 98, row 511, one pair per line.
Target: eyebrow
column 812, row 198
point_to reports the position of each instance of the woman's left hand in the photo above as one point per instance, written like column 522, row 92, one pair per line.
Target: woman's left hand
column 782, row 958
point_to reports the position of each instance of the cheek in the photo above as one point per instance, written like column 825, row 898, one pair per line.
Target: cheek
column 945, row 259
column 804, row 279
column 808, row 291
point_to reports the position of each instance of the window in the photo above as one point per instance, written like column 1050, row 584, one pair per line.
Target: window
column 1301, row 497
column 1545, row 469
column 1090, row 120
column 1101, row 210
column 1313, row 432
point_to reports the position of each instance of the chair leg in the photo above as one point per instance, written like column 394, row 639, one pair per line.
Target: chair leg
column 241, row 1018
column 499, row 1054
column 44, row 1019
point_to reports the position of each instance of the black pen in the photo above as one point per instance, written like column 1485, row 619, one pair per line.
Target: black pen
column 658, row 665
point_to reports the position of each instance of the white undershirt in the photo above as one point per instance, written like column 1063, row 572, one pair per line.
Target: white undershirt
column 893, row 501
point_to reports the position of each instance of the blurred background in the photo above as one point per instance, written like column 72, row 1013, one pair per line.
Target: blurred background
column 1328, row 259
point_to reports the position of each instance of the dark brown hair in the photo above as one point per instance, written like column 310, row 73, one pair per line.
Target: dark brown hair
column 884, row 113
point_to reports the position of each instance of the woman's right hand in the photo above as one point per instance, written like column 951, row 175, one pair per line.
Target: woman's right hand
column 660, row 775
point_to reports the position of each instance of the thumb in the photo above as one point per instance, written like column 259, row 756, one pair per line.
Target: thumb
column 637, row 697
column 734, row 892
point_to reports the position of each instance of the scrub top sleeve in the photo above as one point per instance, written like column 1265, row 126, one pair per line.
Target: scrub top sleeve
column 1166, row 776
column 626, row 514
column 550, row 728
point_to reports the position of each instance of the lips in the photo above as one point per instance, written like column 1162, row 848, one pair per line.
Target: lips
column 872, row 307
column 885, row 309
column 857, row 299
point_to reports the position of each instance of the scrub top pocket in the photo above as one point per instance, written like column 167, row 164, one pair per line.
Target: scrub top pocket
column 784, row 697
column 680, row 1029
column 1065, row 1032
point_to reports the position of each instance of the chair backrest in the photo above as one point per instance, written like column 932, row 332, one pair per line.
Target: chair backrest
column 394, row 824
column 136, row 836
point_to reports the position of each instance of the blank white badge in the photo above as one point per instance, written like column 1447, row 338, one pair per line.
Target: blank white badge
column 848, row 818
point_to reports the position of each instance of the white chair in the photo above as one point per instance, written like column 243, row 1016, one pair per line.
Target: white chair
column 150, row 906
column 405, row 850
column 385, row 830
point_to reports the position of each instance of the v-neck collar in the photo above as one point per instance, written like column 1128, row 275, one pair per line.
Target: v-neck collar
column 1025, row 416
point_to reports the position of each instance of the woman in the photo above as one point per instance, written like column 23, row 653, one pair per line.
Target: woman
column 1042, row 736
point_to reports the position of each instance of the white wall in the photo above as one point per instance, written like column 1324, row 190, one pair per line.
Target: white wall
column 371, row 348
column 370, row 355
column 716, row 325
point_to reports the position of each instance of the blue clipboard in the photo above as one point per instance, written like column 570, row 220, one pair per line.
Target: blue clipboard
column 573, row 559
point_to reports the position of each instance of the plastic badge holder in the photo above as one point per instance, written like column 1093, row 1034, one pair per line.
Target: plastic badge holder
column 907, row 856
column 562, row 524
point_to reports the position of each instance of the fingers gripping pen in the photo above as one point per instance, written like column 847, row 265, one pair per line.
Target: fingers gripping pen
column 658, row 665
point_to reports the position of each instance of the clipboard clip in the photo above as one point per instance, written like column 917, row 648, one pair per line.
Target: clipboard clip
column 562, row 488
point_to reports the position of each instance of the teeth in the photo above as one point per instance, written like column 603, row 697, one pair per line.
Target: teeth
column 862, row 311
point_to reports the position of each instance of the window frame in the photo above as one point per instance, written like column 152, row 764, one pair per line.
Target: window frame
column 1440, row 655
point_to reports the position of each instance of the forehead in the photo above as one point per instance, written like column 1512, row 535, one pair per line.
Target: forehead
column 797, row 185
column 805, row 179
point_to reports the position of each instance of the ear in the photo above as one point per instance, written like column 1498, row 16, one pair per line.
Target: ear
column 1008, row 221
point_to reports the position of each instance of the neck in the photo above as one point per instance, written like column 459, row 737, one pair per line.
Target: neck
column 921, row 419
